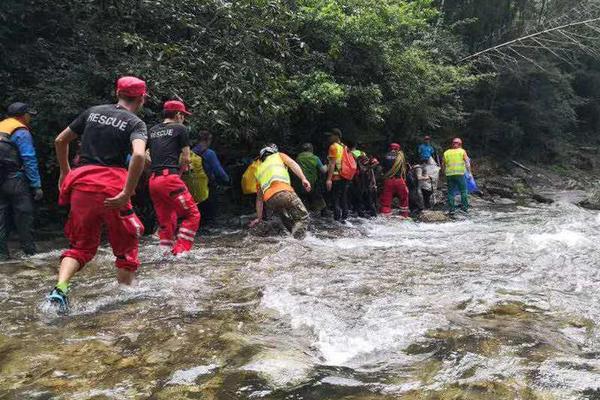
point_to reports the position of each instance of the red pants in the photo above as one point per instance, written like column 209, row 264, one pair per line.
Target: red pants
column 173, row 201
column 84, row 227
column 394, row 187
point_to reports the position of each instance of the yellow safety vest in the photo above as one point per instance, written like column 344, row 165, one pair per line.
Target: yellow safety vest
column 272, row 170
column 9, row 125
column 196, row 179
column 454, row 162
column 339, row 148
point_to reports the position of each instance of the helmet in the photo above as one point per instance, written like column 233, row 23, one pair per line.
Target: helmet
column 268, row 150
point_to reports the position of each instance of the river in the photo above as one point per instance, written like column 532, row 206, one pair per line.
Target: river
column 502, row 305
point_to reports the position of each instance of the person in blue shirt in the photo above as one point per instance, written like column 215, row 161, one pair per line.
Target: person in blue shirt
column 216, row 175
column 20, row 181
column 427, row 151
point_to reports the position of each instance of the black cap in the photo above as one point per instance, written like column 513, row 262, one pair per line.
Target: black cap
column 16, row 109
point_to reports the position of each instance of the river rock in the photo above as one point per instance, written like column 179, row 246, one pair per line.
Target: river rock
column 593, row 200
column 433, row 216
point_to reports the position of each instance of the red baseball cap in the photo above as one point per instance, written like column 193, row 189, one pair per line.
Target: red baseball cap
column 131, row 86
column 176, row 105
column 394, row 146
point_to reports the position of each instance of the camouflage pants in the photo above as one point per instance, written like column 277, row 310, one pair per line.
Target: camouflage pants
column 288, row 206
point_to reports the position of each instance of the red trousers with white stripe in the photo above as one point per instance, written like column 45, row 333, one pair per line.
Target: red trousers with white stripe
column 173, row 201
column 84, row 227
column 391, row 188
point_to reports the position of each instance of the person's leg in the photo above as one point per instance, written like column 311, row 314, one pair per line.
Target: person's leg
column 387, row 197
column 165, row 212
column 124, row 231
column 452, row 185
column 426, row 198
column 336, row 194
column 83, row 229
column 4, row 224
column 344, row 198
column 402, row 191
column 187, row 211
column 22, row 205
column 464, row 193
column 299, row 216
column 208, row 208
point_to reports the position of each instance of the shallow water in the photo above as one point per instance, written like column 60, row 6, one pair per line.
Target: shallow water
column 502, row 305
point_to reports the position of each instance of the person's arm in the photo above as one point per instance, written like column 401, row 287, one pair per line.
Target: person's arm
column 322, row 168
column 22, row 138
column 136, row 167
column 186, row 159
column 259, row 208
column 61, row 145
column 331, row 157
column 467, row 163
column 296, row 169
column 215, row 166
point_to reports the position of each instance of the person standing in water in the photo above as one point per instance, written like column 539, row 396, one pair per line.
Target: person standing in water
column 170, row 155
column 394, row 184
column 455, row 165
column 99, row 190
column 275, row 190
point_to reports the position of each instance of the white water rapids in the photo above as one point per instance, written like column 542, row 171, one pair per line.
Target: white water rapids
column 507, row 299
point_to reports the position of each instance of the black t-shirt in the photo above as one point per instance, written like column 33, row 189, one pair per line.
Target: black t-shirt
column 165, row 142
column 106, row 134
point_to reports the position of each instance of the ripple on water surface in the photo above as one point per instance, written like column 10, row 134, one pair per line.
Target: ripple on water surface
column 500, row 305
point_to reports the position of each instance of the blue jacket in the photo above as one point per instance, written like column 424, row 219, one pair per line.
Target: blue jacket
column 22, row 138
column 426, row 151
column 212, row 165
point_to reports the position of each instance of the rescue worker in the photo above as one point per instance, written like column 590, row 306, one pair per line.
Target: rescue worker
column 169, row 147
column 99, row 190
column 313, row 168
column 216, row 175
column 338, row 186
column 275, row 190
column 394, row 184
column 20, row 182
column 426, row 150
column 455, row 165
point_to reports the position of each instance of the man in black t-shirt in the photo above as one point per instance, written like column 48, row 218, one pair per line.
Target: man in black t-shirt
column 99, row 190
column 168, row 144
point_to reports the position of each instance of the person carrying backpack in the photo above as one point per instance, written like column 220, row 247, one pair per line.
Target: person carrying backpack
column 340, row 172
column 394, row 184
column 20, row 182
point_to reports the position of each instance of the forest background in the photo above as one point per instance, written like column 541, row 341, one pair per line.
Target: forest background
column 288, row 70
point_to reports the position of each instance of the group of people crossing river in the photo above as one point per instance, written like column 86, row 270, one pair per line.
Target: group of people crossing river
column 116, row 147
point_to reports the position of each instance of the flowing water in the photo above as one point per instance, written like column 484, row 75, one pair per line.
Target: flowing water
column 502, row 305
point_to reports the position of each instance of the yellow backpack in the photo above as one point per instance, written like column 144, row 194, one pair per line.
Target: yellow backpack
column 196, row 179
column 249, row 179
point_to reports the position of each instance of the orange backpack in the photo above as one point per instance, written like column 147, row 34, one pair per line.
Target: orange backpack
column 349, row 167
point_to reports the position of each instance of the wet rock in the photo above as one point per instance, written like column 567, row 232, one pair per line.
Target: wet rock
column 281, row 368
column 592, row 202
column 430, row 216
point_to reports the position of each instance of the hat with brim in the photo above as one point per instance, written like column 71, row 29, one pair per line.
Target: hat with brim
column 131, row 86
column 16, row 109
column 176, row 105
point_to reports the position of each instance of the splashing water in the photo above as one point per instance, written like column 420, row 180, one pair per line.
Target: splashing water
column 501, row 305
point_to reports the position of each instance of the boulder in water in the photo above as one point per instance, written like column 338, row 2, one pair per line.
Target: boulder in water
column 431, row 216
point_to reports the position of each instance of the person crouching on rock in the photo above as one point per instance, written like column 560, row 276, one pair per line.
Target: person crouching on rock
column 275, row 190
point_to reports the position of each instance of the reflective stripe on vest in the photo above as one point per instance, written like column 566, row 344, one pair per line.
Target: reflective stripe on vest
column 454, row 161
column 272, row 170
column 10, row 125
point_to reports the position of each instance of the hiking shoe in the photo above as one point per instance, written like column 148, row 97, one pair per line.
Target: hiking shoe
column 59, row 300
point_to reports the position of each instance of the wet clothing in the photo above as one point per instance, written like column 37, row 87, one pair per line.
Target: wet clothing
column 172, row 202
column 339, row 199
column 336, row 153
column 15, row 194
column 85, row 189
column 165, row 142
column 272, row 176
column 457, row 183
column 426, row 151
column 19, row 176
column 106, row 133
column 288, row 206
column 394, row 185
